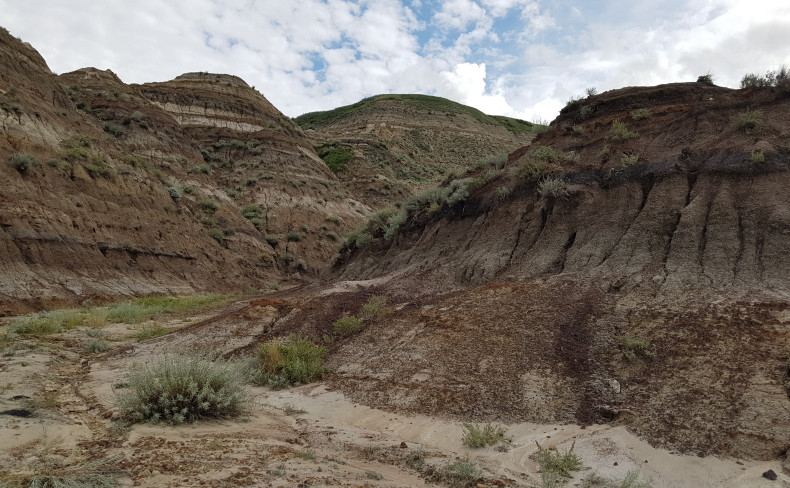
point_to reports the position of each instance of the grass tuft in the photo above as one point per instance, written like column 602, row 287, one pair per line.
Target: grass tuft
column 558, row 462
column 288, row 362
column 348, row 325
column 482, row 435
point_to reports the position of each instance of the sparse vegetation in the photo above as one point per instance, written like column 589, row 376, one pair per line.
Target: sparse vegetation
column 706, row 79
column 290, row 410
column 641, row 114
column 201, row 168
column 291, row 361
column 634, row 348
column 24, row 162
column 758, row 156
column 175, row 193
column 552, row 187
column 178, row 389
column 55, row 474
column 591, row 91
column 272, row 240
column 619, row 132
column 114, row 130
column 375, row 308
column 629, row 159
column 585, row 112
column 578, row 130
column 463, row 471
column 482, row 435
column 208, row 205
column 295, row 236
column 770, row 78
column 631, row 480
column 555, row 463
column 151, row 331
column 749, row 121
column 97, row 347
column 348, row 325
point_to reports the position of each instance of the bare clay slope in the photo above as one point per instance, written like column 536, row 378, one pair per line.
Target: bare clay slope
column 522, row 305
column 140, row 189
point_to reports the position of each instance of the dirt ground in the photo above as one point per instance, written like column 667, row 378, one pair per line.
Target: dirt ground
column 58, row 414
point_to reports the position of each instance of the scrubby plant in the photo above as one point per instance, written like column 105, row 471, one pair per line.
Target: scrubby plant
column 749, row 121
column 97, row 346
column 758, row 156
column 706, row 79
column 251, row 211
column 641, row 114
column 24, row 162
column 217, row 234
column 295, row 236
column 178, row 389
column 375, row 308
column 558, row 462
column 208, row 205
column 630, row 480
column 291, row 361
column 635, row 348
column 552, row 187
column 495, row 160
column 585, row 112
column 591, row 91
column 619, row 132
column 482, row 435
column 577, row 130
column 348, row 325
column 175, row 193
column 114, row 130
column 770, row 78
column 99, row 473
column 336, row 156
column 272, row 240
column 201, row 168
column 629, row 159
column 463, row 471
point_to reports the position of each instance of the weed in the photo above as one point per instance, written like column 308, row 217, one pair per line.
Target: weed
column 749, row 121
column 372, row 475
column 578, row 130
column 758, row 156
column 295, row 236
column 272, row 240
column 114, row 130
column 93, row 474
column 131, row 313
column 24, row 162
column 619, row 132
column 251, row 211
column 306, row 454
column 641, row 114
column 347, row 325
column 634, row 348
column 631, row 480
column 416, row 457
column 216, row 446
column 201, row 168
column 552, row 187
column 770, row 78
column 152, row 331
column 175, row 193
column 706, row 79
column 585, row 112
column 375, row 308
column 208, row 205
column 558, row 462
column 629, row 160
column 278, row 470
column 463, row 471
column 178, row 389
column 591, row 91
column 217, row 234
column 289, row 362
column 289, row 410
column 482, row 435
column 94, row 347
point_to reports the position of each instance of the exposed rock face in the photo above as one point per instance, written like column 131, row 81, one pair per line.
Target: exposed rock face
column 117, row 200
column 525, row 306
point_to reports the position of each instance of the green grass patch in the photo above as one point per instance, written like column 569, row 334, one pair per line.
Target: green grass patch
column 556, row 463
column 146, row 308
column 336, row 156
column 152, row 331
column 348, row 325
column 288, row 362
column 619, row 132
column 179, row 389
column 634, row 348
column 482, row 435
column 375, row 308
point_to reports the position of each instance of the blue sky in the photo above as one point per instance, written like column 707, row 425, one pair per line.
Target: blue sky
column 522, row 58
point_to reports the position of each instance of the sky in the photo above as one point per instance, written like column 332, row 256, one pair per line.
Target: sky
column 521, row 58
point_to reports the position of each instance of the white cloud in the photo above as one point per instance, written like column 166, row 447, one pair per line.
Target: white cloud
column 318, row 54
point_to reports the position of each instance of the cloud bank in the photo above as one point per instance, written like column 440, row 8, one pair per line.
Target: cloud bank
column 522, row 58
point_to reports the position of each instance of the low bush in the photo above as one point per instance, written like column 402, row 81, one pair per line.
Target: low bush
column 272, row 240
column 178, row 389
column 201, row 168
column 619, row 132
column 641, row 114
column 634, row 348
column 295, row 236
column 552, row 187
column 375, row 308
column 97, row 346
column 348, row 325
column 217, row 234
column 557, row 462
column 98, row 473
column 24, row 162
column 770, row 78
column 482, row 435
column 463, row 471
column 706, row 79
column 175, row 193
column 629, row 159
column 749, row 121
column 758, row 156
column 208, row 205
column 114, row 130
column 578, row 130
column 293, row 361
column 585, row 112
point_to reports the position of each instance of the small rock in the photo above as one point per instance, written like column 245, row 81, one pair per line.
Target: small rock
column 552, row 447
column 403, row 445
column 770, row 475
column 615, row 463
column 18, row 412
